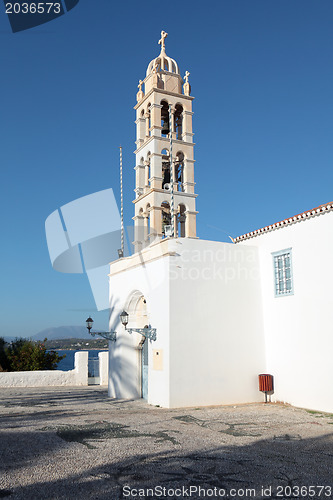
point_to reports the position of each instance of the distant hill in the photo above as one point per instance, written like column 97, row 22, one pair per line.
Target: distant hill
column 63, row 332
column 55, row 333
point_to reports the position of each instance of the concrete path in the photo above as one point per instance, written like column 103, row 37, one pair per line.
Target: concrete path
column 76, row 443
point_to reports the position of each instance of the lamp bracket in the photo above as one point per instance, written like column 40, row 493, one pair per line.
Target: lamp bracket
column 106, row 335
column 148, row 333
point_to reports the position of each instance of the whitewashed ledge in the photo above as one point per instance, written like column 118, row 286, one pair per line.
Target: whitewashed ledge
column 43, row 378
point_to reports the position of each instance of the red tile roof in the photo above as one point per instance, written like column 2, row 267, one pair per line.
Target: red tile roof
column 328, row 207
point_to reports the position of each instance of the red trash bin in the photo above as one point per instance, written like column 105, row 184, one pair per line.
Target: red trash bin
column 266, row 384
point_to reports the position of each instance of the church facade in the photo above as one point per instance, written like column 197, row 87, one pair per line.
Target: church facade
column 223, row 312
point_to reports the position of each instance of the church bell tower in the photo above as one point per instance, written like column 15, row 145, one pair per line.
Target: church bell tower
column 164, row 186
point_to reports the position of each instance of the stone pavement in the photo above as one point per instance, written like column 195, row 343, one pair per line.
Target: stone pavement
column 75, row 443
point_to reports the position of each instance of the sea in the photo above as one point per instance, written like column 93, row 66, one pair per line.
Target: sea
column 67, row 363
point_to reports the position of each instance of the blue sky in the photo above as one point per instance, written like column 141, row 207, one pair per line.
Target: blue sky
column 262, row 77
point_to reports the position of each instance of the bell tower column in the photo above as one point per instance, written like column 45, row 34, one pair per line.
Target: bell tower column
column 156, row 120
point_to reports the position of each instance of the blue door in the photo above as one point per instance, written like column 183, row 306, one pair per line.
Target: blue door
column 144, row 370
column 93, row 371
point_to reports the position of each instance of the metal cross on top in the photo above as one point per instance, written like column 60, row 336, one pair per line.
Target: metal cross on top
column 162, row 40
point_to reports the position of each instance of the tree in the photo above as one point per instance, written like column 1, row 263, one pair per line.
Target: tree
column 4, row 362
column 26, row 355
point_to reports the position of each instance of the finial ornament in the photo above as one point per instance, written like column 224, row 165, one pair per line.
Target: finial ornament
column 140, row 85
column 162, row 40
column 155, row 67
column 187, row 86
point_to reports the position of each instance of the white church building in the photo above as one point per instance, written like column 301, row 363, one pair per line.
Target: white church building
column 223, row 312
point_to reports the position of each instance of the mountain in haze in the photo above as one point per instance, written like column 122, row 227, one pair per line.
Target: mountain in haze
column 63, row 332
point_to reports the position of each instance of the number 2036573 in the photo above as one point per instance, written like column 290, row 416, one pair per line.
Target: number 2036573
column 33, row 8
column 304, row 491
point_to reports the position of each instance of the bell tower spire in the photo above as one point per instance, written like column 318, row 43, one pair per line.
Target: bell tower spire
column 164, row 118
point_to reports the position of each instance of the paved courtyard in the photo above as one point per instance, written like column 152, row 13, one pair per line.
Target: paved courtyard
column 76, row 443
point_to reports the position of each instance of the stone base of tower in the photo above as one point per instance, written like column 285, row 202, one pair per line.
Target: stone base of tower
column 192, row 292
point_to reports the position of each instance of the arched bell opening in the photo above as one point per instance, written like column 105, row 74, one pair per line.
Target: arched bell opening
column 179, row 171
column 140, row 227
column 148, row 120
column 139, row 182
column 147, row 170
column 165, row 119
column 165, row 169
column 146, row 215
column 181, row 219
column 179, row 121
column 166, row 218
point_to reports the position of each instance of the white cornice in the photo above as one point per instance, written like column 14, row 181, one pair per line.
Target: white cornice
column 163, row 92
column 164, row 139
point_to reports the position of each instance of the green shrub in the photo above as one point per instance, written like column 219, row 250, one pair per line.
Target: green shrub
column 26, row 355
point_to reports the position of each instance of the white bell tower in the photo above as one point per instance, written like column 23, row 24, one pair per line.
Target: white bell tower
column 162, row 193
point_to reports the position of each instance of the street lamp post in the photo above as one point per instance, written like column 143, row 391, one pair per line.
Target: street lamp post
column 148, row 333
column 106, row 335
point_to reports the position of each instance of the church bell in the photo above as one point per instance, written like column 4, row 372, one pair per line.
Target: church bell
column 165, row 127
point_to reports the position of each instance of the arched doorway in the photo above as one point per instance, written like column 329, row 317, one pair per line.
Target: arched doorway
column 138, row 318
column 144, row 368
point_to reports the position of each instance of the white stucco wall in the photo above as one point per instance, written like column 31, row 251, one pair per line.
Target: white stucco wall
column 204, row 300
column 43, row 378
column 103, row 367
column 148, row 279
column 216, row 342
column 299, row 328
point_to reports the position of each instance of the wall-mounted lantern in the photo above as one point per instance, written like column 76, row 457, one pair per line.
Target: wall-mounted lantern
column 148, row 333
column 106, row 335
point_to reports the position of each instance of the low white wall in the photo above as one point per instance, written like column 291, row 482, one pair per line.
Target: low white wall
column 42, row 378
column 103, row 367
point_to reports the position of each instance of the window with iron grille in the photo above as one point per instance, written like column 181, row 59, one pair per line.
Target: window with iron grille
column 283, row 272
